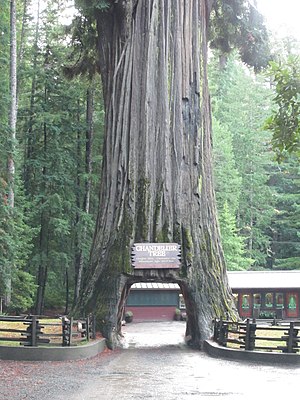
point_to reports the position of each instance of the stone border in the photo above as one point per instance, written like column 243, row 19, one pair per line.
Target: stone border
column 80, row 352
column 214, row 350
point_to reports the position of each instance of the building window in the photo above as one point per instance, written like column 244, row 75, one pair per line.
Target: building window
column 245, row 302
column 279, row 300
column 256, row 300
column 292, row 302
column 181, row 302
column 269, row 300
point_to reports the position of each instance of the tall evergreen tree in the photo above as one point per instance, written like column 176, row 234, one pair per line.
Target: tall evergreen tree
column 285, row 122
column 228, row 189
column 57, row 159
column 285, row 225
column 233, row 244
column 15, row 282
column 236, row 96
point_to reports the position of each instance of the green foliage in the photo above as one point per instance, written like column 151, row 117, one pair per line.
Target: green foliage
column 15, row 247
column 233, row 244
column 262, row 195
column 4, row 84
column 242, row 157
column 83, row 59
column 228, row 186
column 285, row 226
column 54, row 298
column 15, row 234
column 228, row 181
column 38, row 237
column 23, row 292
column 236, row 24
column 88, row 7
column 290, row 263
column 285, row 122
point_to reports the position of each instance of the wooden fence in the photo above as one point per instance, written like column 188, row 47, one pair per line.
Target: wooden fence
column 36, row 331
column 248, row 335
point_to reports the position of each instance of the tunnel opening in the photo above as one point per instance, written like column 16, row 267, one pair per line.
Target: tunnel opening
column 154, row 312
column 155, row 301
column 158, row 289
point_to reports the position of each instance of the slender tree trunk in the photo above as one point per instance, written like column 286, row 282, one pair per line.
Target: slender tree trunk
column 29, row 149
column 79, row 260
column 44, row 231
column 43, row 265
column 67, row 290
column 13, row 102
column 12, row 127
column 22, row 42
column 157, row 170
column 88, row 147
column 22, row 39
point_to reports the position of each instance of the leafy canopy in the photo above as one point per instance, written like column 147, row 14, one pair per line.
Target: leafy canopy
column 236, row 24
column 285, row 119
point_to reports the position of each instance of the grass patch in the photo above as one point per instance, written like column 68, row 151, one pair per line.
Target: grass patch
column 271, row 339
column 50, row 327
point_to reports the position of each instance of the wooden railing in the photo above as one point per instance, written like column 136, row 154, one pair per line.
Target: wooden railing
column 32, row 330
column 248, row 335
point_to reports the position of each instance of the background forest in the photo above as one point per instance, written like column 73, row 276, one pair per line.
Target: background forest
column 50, row 156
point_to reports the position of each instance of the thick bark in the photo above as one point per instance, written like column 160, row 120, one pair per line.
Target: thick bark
column 157, row 170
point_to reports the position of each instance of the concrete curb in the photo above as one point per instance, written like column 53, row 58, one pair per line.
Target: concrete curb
column 52, row 353
column 214, row 350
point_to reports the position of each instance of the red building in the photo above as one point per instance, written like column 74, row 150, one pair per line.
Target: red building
column 258, row 294
column 266, row 294
column 154, row 301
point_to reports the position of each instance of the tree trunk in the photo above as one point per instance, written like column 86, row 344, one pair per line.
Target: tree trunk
column 81, row 236
column 12, row 127
column 31, row 140
column 44, row 231
column 157, row 170
column 13, row 102
column 22, row 41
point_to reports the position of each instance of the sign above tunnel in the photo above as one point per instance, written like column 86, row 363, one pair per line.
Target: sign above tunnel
column 156, row 256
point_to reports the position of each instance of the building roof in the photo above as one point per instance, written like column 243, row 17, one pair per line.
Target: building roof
column 264, row 279
column 241, row 280
column 155, row 286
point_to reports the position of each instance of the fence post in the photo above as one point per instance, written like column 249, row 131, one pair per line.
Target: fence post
column 93, row 327
column 223, row 333
column 292, row 338
column 71, row 330
column 87, row 328
column 216, row 330
column 220, row 331
column 65, row 323
column 33, row 331
column 250, row 335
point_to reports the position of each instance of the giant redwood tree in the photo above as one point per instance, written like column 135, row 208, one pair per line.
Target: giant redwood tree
column 157, row 170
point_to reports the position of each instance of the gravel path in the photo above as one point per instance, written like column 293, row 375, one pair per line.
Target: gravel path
column 47, row 380
column 155, row 364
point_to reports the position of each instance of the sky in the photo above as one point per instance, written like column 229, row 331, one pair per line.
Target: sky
column 281, row 16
